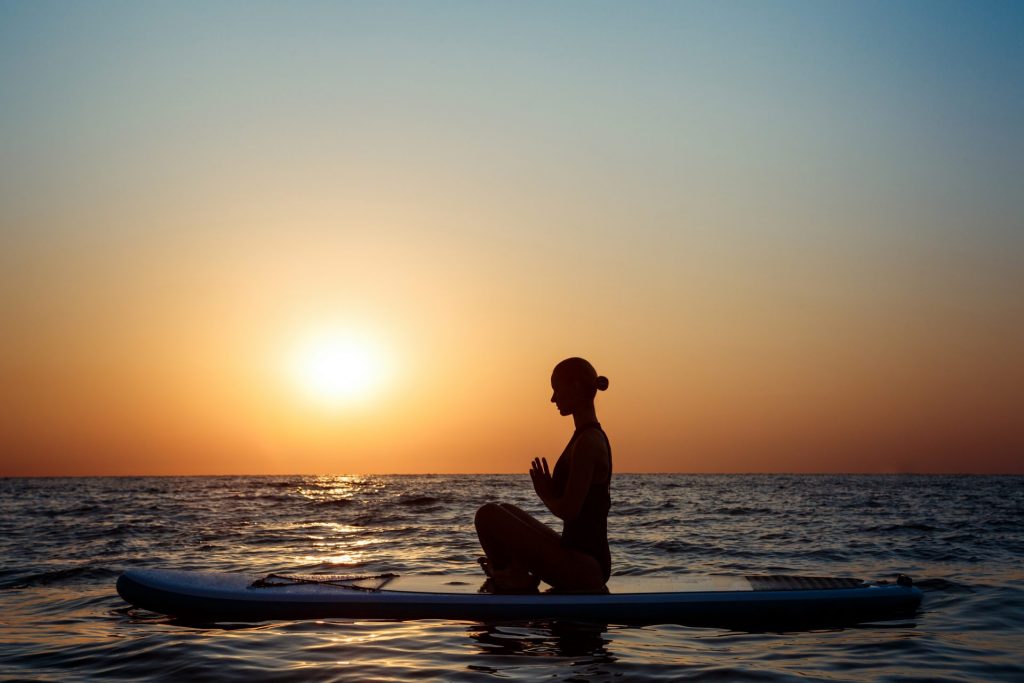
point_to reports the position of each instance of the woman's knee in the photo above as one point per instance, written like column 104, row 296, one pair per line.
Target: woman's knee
column 485, row 514
column 509, row 508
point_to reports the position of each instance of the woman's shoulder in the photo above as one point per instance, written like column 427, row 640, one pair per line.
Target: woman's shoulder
column 592, row 441
column 593, row 449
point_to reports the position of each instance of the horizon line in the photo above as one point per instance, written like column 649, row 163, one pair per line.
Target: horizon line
column 508, row 474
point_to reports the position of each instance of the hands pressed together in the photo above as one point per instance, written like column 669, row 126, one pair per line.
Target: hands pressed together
column 541, row 476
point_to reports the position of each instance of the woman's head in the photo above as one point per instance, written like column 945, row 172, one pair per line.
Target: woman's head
column 575, row 383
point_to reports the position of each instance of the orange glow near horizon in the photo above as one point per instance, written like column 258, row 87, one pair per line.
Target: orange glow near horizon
column 223, row 374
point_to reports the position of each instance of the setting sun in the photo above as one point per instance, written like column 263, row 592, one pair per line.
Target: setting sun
column 338, row 367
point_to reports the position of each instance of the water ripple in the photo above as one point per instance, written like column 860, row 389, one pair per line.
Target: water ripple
column 63, row 542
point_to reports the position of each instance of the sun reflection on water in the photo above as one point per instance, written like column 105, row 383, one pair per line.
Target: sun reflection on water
column 341, row 487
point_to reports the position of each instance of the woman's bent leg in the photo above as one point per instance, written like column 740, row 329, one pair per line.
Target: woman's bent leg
column 515, row 541
column 505, row 532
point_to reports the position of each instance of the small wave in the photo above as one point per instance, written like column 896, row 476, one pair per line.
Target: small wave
column 69, row 575
column 944, row 586
column 416, row 501
column 695, row 549
column 271, row 497
column 638, row 571
column 740, row 510
column 334, row 503
column 912, row 526
column 374, row 519
column 73, row 511
column 824, row 555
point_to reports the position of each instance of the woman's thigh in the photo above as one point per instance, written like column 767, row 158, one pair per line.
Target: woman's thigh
column 539, row 547
column 518, row 531
column 535, row 525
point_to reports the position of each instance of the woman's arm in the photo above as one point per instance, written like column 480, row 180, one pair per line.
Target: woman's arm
column 581, row 472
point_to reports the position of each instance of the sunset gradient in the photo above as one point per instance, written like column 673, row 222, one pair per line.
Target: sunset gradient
column 790, row 234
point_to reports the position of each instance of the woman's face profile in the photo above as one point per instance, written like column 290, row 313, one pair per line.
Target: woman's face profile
column 565, row 394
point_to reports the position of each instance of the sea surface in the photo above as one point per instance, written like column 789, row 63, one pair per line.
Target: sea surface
column 63, row 543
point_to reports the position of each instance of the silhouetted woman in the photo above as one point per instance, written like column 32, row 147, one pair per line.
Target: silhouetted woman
column 522, row 550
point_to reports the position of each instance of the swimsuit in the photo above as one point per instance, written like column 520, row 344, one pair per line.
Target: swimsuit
column 588, row 532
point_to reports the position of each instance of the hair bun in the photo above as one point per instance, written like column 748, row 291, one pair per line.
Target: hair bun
column 601, row 383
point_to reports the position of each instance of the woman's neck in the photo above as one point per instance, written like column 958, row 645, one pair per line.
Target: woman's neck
column 584, row 416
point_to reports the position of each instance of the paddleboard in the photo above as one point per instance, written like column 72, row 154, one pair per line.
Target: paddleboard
column 731, row 601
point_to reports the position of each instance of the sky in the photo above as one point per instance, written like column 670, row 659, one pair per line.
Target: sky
column 355, row 237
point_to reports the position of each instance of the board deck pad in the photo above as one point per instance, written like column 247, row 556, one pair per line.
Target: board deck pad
column 795, row 583
column 458, row 584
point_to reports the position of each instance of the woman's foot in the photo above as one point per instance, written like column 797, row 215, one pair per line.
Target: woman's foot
column 511, row 580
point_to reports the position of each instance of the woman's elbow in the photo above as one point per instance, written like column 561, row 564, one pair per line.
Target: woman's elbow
column 568, row 514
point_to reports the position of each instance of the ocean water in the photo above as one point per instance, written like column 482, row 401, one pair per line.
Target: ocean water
column 63, row 543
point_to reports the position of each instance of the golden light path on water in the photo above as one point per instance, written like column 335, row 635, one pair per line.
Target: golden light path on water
column 333, row 542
